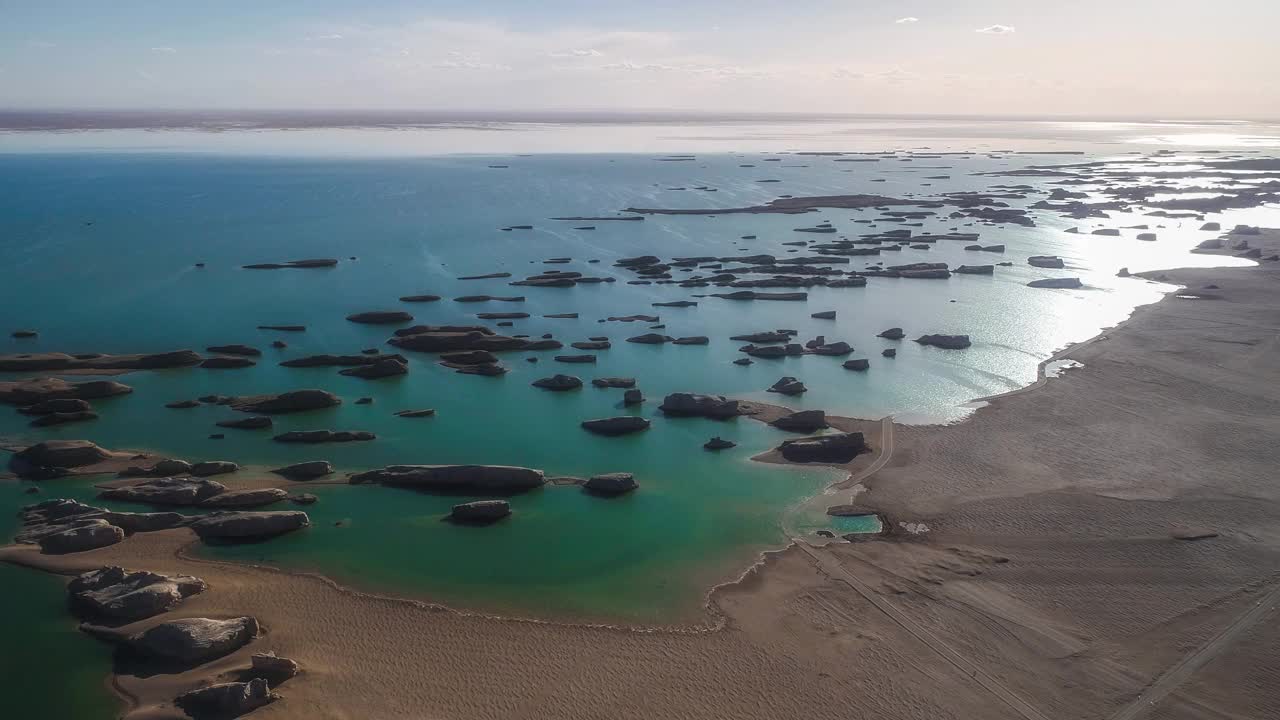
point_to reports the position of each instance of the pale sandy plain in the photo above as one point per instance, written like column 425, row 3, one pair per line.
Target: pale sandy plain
column 1049, row 583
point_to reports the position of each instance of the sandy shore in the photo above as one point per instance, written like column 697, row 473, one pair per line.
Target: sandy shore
column 1048, row 583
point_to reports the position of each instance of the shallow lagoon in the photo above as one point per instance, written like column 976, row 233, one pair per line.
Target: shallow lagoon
column 99, row 250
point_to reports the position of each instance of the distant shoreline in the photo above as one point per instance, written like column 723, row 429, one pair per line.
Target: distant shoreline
column 44, row 120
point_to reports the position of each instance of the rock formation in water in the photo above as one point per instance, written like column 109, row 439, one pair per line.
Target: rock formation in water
column 96, row 361
column 947, row 342
column 497, row 479
column 480, row 512
column 239, row 525
column 611, row 484
column 36, row 390
column 166, row 491
column 802, row 421
column 558, row 382
column 836, row 448
column 305, row 470
column 621, row 425
column 287, row 402
column 693, row 405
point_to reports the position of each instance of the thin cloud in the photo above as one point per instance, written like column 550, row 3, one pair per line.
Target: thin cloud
column 583, row 53
column 907, row 20
column 718, row 71
column 329, row 36
column 468, row 65
column 997, row 30
column 164, row 50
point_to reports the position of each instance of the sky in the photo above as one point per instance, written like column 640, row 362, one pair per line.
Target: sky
column 1115, row 58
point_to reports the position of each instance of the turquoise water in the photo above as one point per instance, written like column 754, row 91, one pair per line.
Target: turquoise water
column 856, row 524
column 99, row 247
column 62, row 671
column 99, row 254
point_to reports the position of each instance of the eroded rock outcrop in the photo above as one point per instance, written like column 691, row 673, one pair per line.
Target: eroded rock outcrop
column 500, row 479
column 254, row 497
column 81, row 536
column 115, row 593
column 480, row 512
column 167, row 491
column 621, row 425
column 835, row 448
column 248, row 525
column 947, row 342
column 227, row 700
column 802, row 421
column 185, row 642
column 611, row 484
column 305, row 470
column 36, row 390
column 34, row 362
column 558, row 383
column 287, row 402
column 694, row 405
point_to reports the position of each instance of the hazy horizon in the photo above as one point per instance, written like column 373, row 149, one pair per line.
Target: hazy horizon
column 988, row 58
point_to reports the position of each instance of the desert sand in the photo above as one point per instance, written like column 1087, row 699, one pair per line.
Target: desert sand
column 1033, row 570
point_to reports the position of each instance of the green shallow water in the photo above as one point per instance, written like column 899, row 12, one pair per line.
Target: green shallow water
column 62, row 672
column 99, row 253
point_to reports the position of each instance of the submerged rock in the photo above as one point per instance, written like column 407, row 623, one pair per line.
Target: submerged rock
column 1061, row 283
column 614, row 382
column 324, row 436
column 480, row 512
column 305, row 470
column 50, row 407
column 63, row 418
column 256, row 422
column 387, row 367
